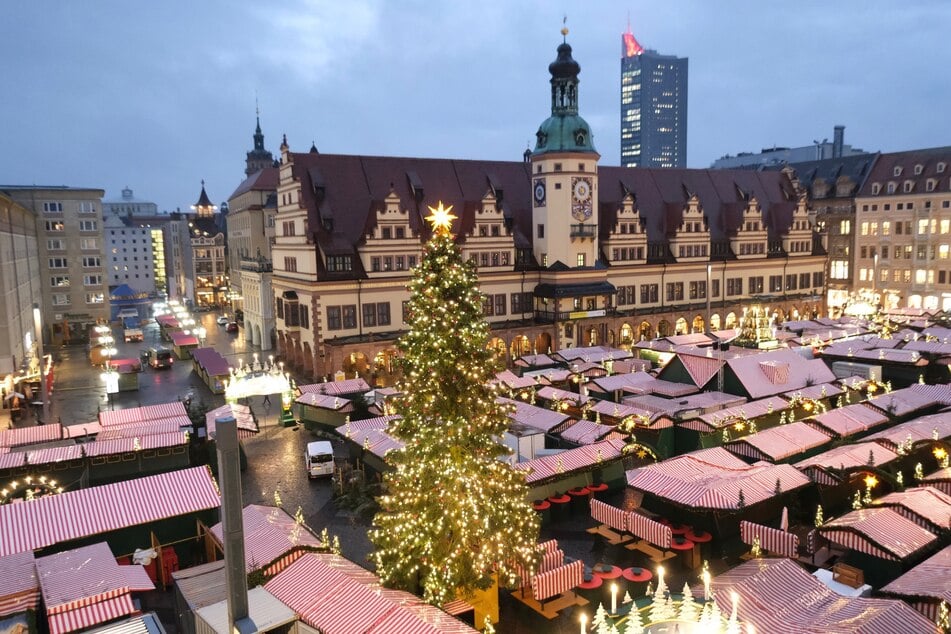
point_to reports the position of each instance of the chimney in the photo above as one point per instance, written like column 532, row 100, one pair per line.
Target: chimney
column 838, row 138
column 232, row 529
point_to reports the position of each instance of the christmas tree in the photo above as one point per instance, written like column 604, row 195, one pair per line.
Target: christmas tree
column 689, row 609
column 453, row 514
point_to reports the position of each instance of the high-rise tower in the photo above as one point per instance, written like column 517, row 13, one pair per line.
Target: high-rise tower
column 653, row 107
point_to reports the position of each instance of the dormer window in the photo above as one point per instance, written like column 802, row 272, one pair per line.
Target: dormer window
column 929, row 185
column 897, row 170
column 909, row 185
column 876, row 188
column 891, row 188
column 919, row 169
column 579, row 137
column 940, row 168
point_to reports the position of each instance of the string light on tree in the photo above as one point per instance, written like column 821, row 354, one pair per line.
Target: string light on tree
column 453, row 514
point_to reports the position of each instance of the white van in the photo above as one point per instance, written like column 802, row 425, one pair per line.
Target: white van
column 319, row 459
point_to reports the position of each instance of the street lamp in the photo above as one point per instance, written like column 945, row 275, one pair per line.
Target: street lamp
column 201, row 332
column 110, row 376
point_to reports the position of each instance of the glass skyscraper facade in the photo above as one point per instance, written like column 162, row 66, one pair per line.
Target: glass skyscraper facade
column 653, row 107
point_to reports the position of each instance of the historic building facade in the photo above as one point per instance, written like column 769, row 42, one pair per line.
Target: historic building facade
column 569, row 253
column 208, row 253
column 903, row 231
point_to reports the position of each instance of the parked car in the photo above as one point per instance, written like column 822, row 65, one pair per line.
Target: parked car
column 160, row 358
column 232, row 326
column 222, row 320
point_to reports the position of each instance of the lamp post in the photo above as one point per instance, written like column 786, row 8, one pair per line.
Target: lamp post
column 38, row 334
column 200, row 332
column 109, row 376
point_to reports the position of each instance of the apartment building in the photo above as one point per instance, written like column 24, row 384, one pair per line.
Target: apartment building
column 20, row 287
column 74, row 282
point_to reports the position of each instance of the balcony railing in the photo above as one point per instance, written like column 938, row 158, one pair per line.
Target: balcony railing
column 583, row 231
column 257, row 266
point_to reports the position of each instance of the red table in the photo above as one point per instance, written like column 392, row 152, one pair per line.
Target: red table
column 681, row 543
column 597, row 489
column 607, row 571
column 593, row 584
column 637, row 574
column 541, row 505
column 698, row 537
column 559, row 506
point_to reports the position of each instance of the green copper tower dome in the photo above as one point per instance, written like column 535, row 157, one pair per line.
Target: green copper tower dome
column 564, row 130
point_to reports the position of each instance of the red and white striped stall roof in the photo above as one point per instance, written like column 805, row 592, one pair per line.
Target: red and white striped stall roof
column 586, row 432
column 12, row 459
column 549, row 393
column 701, row 366
column 247, row 426
column 52, row 455
column 19, row 587
column 815, row 392
column 591, row 354
column 338, row 597
column 336, row 388
column 617, row 382
column 777, row 595
column 325, row 401
column 552, row 376
column 912, row 399
column 376, row 441
column 779, row 443
column 514, row 382
column 771, row 539
column 714, row 421
column 74, row 577
column 269, row 533
column 146, row 428
column 713, row 479
column 146, row 413
column 940, row 479
column 534, row 361
column 923, row 428
column 849, row 456
column 30, row 435
column 930, row 579
column 127, row 445
column 658, row 406
column 82, row 429
column 77, row 514
column 849, row 420
column 378, row 423
column 879, row 532
column 96, row 611
column 617, row 411
column 926, row 506
column 660, row 387
column 181, row 339
column 540, row 418
column 565, row 462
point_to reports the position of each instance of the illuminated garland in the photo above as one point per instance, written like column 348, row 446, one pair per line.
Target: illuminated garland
column 453, row 513
column 29, row 488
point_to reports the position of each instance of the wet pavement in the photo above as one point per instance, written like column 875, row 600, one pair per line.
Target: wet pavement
column 275, row 462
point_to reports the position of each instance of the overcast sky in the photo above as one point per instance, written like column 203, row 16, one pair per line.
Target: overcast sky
column 161, row 95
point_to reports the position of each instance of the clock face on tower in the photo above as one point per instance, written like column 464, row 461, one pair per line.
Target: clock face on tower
column 538, row 192
column 581, row 204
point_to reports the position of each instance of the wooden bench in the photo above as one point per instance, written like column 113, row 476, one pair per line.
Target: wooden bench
column 848, row 575
column 549, row 608
column 610, row 535
column 655, row 554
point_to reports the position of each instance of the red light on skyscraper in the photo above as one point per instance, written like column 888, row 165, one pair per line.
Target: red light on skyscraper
column 631, row 46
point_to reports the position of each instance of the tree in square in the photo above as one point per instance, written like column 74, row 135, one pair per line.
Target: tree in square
column 453, row 514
